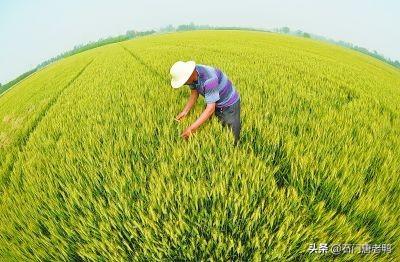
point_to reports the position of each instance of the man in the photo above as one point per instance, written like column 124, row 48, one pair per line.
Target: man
column 219, row 94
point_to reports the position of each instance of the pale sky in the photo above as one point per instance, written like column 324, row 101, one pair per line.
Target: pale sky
column 33, row 31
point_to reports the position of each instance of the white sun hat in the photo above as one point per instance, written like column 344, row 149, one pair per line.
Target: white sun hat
column 180, row 72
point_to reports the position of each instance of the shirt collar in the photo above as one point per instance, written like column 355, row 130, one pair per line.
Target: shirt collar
column 197, row 70
column 198, row 74
column 196, row 83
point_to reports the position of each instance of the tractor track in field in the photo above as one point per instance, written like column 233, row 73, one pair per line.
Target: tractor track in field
column 152, row 71
column 24, row 141
column 143, row 63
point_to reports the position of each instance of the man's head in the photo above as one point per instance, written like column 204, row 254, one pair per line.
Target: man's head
column 193, row 77
column 183, row 73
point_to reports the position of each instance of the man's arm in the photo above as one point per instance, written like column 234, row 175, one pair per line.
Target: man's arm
column 207, row 113
column 192, row 100
column 190, row 103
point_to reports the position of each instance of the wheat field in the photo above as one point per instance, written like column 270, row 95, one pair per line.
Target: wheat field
column 92, row 167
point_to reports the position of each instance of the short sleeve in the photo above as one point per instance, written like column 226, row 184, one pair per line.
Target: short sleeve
column 211, row 96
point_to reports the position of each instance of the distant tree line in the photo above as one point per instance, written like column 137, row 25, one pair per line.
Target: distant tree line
column 191, row 26
column 286, row 30
column 4, row 88
column 77, row 49
column 130, row 34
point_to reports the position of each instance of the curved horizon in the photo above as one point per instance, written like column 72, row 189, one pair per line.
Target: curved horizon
column 35, row 32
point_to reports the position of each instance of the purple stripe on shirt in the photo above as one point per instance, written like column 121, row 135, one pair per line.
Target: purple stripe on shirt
column 232, row 99
column 211, row 84
column 219, row 74
column 226, row 88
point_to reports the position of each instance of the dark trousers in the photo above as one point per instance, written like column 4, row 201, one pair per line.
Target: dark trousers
column 230, row 116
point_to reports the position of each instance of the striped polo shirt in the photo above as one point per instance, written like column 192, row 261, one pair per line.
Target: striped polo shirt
column 215, row 86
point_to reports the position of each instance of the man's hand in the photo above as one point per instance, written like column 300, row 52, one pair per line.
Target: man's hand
column 181, row 115
column 207, row 113
column 188, row 131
